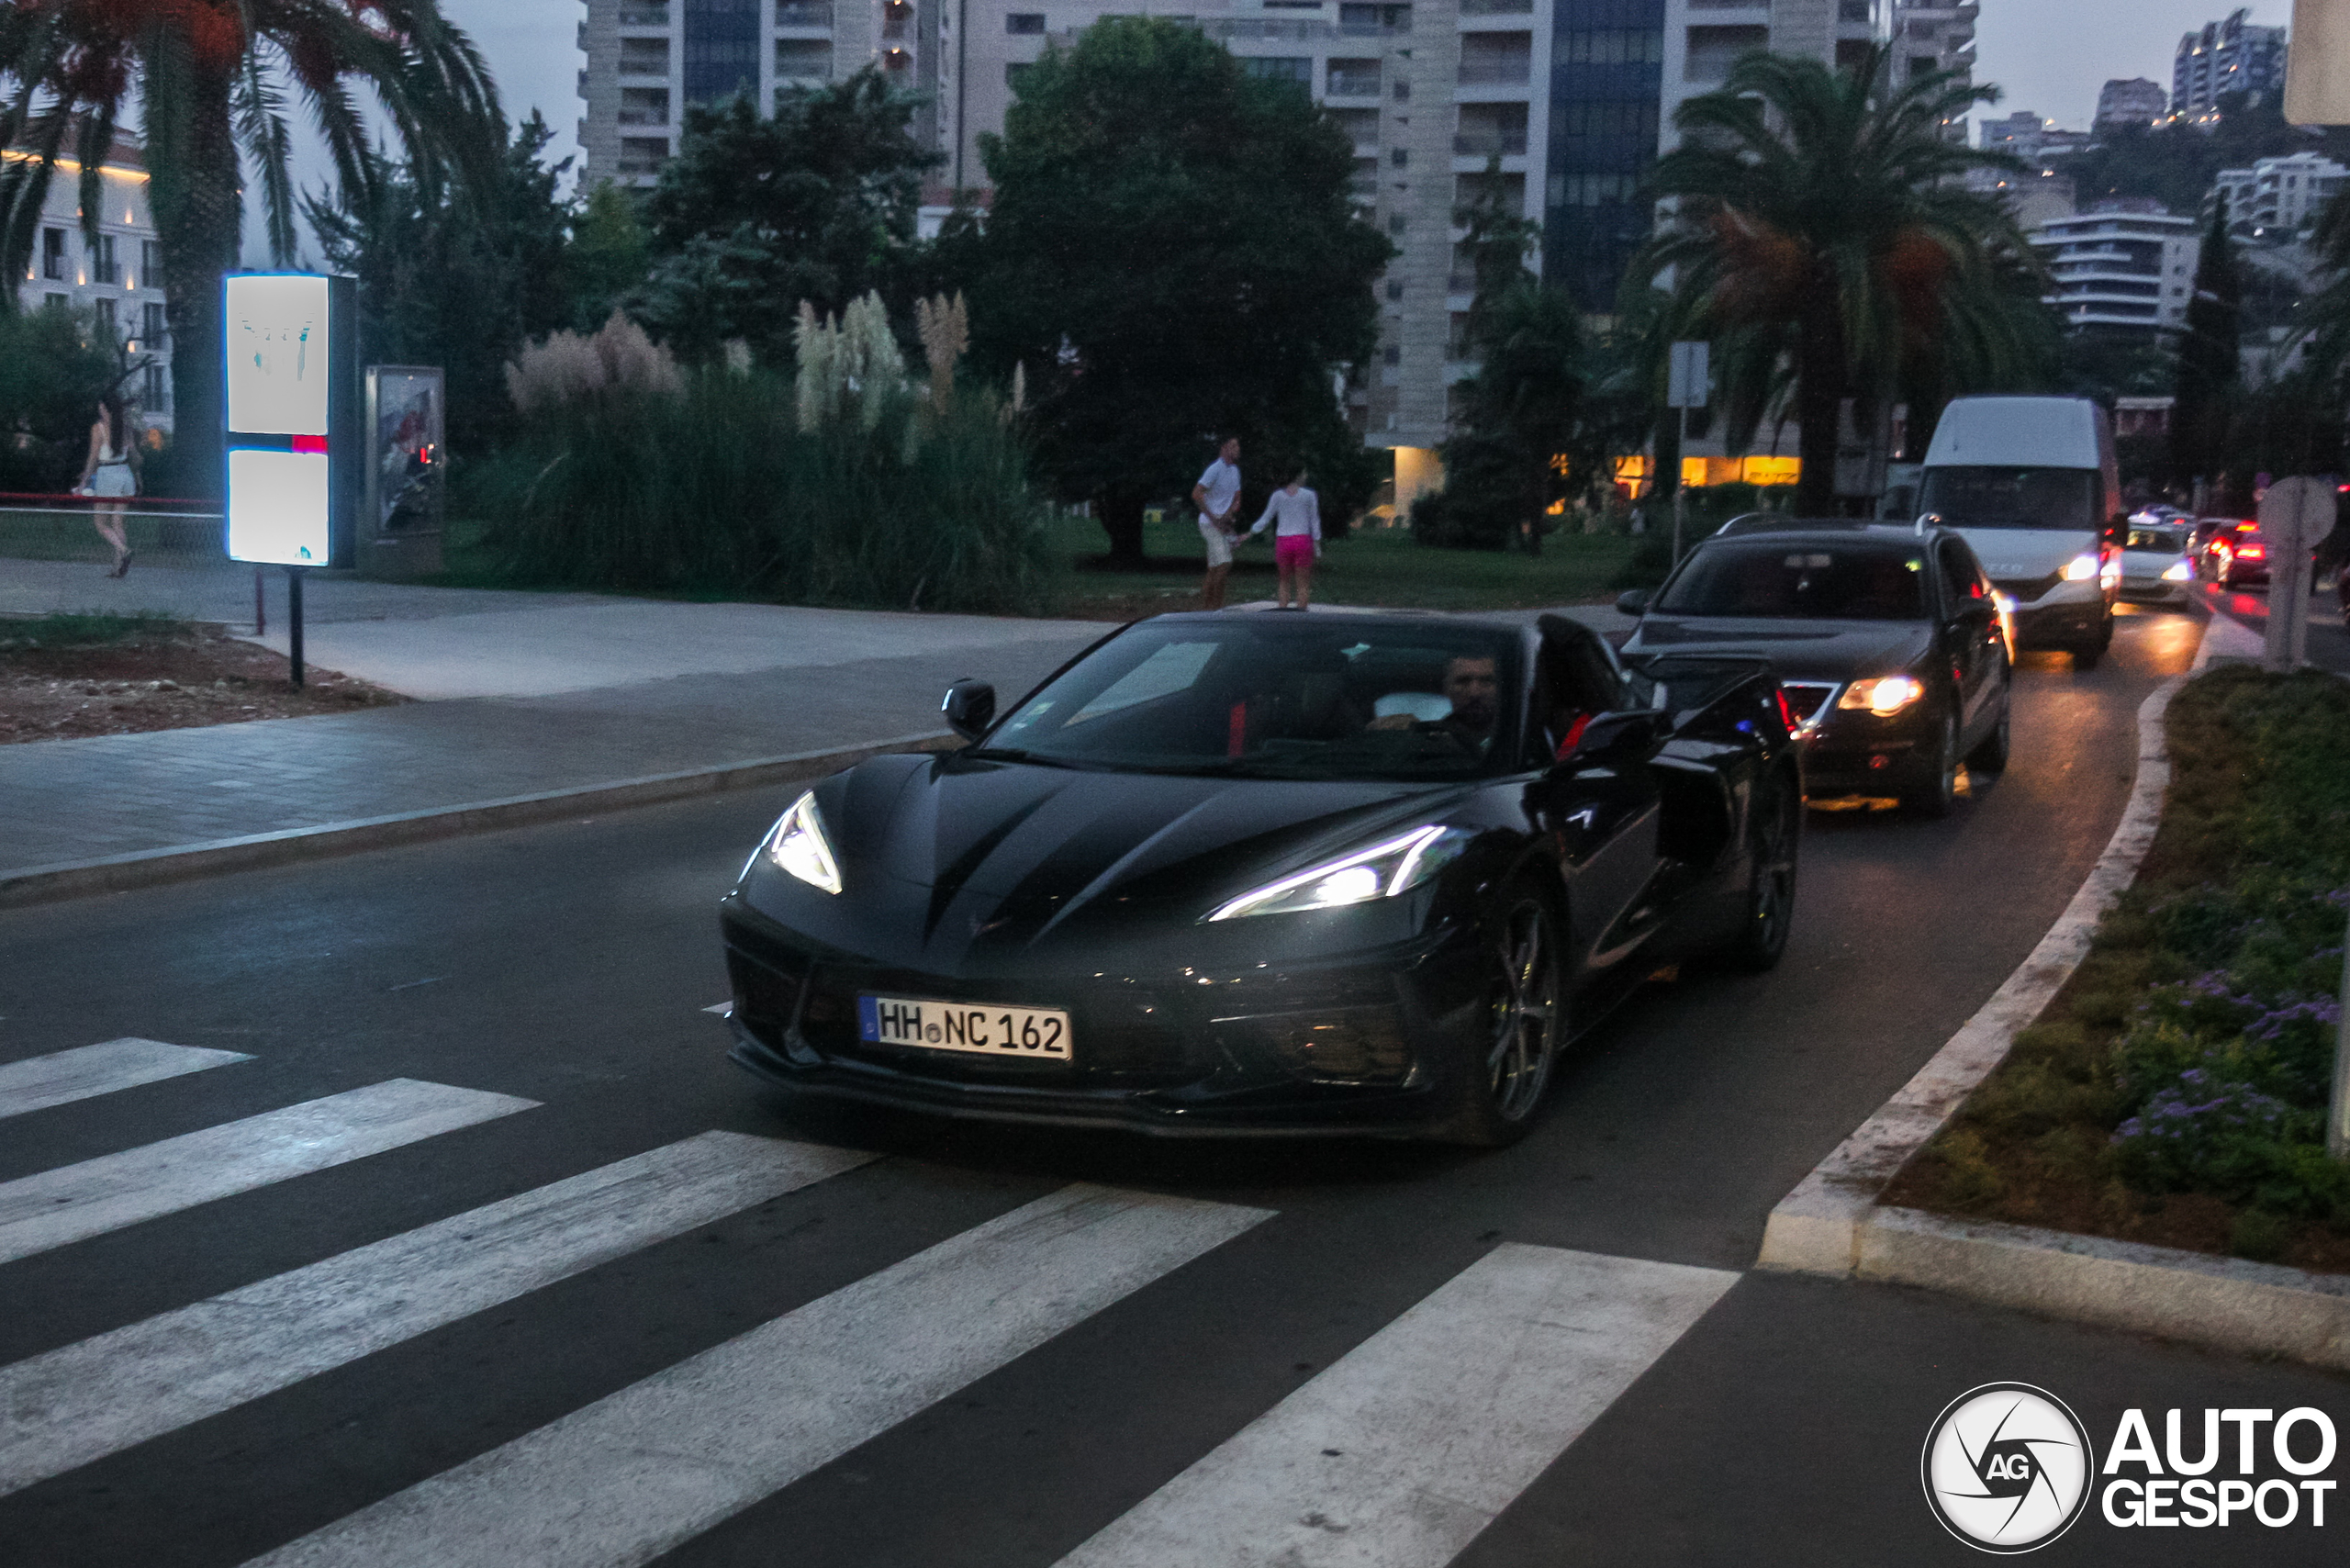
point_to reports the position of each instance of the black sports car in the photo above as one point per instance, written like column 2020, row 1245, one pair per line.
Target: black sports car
column 1261, row 872
column 1895, row 655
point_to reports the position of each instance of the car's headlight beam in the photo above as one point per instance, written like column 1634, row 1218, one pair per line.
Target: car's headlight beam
column 1382, row 870
column 1885, row 695
column 798, row 846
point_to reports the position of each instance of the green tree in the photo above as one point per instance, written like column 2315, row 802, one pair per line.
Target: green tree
column 1824, row 232
column 2210, row 357
column 456, row 274
column 1172, row 255
column 609, row 255
column 2173, row 163
column 53, row 369
column 208, row 80
column 753, row 215
column 1519, row 412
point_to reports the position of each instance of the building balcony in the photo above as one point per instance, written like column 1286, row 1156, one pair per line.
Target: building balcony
column 645, row 15
column 803, row 14
column 644, row 116
column 1487, row 144
column 1288, row 30
column 1515, row 72
column 1351, row 85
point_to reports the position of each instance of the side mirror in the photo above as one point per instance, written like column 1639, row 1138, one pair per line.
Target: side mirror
column 969, row 708
column 1609, row 736
column 1632, row 601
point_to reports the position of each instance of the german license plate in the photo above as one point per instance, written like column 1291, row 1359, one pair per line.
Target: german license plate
column 1038, row 1032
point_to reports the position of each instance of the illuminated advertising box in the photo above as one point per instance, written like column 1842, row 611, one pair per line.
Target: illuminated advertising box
column 293, row 424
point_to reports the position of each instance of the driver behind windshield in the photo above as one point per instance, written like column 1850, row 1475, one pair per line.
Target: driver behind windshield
column 1473, row 688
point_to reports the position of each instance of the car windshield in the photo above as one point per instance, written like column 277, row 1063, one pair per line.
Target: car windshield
column 2171, row 539
column 2013, row 498
column 1783, row 580
column 1277, row 696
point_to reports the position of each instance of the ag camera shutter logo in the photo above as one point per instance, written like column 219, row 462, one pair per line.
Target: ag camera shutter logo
column 2007, row 1467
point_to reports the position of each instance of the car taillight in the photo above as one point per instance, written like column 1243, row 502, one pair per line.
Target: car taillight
column 1786, row 714
column 2252, row 553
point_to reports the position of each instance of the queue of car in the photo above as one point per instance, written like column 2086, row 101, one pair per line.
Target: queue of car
column 1372, row 872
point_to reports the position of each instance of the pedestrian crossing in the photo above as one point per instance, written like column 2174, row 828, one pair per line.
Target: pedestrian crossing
column 1397, row 1455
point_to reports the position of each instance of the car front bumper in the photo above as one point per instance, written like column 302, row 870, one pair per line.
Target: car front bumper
column 2155, row 590
column 2063, row 616
column 1374, row 1044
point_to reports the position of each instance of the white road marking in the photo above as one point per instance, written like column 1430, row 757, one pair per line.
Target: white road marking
column 74, row 1201
column 63, row 1077
column 636, row 1474
column 83, row 1401
column 1406, row 1447
column 721, row 1008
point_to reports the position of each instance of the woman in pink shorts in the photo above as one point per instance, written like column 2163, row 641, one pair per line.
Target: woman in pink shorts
column 1296, row 513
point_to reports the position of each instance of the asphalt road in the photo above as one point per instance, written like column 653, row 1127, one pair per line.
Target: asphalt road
column 1236, row 1352
column 2329, row 645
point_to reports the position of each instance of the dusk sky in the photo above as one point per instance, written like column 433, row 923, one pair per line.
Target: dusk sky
column 2051, row 56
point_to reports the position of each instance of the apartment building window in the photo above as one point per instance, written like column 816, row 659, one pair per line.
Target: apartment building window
column 642, row 154
column 721, row 49
column 57, row 301
column 1280, row 68
column 803, row 13
column 103, row 268
column 803, row 60
column 645, row 105
column 53, row 255
column 151, row 329
column 156, row 395
column 1857, row 12
column 643, row 13
column 1615, row 46
column 1712, row 50
column 103, row 306
column 1394, row 289
column 1401, row 157
column 1025, row 22
column 151, row 264
column 1495, row 58
column 1352, row 79
column 645, row 57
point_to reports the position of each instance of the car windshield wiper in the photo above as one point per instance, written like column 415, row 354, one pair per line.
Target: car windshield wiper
column 1014, row 753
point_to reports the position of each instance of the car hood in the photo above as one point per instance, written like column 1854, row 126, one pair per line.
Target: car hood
column 1798, row 650
column 2021, row 555
column 1054, row 843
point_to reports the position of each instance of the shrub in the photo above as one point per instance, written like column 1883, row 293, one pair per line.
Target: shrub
column 705, row 481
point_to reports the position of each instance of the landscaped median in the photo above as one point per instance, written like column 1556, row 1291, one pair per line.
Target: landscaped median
column 2145, row 1146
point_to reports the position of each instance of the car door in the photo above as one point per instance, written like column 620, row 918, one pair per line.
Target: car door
column 1598, row 803
column 1972, row 637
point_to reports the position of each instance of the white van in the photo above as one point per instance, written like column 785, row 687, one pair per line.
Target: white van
column 2032, row 485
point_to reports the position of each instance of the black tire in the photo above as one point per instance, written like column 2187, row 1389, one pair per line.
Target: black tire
column 1990, row 753
column 2085, row 656
column 1522, row 1021
column 1775, row 841
column 1933, row 795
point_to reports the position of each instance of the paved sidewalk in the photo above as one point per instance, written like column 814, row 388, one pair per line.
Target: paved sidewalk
column 536, row 693
column 524, row 694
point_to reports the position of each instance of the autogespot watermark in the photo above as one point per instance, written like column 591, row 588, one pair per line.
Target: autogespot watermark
column 2009, row 1468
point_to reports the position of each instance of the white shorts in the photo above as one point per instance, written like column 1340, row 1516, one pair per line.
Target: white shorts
column 1219, row 544
column 113, row 480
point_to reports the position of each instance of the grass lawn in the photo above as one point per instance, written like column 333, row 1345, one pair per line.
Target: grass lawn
column 1374, row 566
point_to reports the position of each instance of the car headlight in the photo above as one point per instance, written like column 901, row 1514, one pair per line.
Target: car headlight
column 2178, row 571
column 1384, row 869
column 798, row 846
column 2081, row 568
column 1884, row 696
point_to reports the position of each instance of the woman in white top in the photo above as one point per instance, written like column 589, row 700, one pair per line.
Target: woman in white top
column 1297, row 538
column 107, row 474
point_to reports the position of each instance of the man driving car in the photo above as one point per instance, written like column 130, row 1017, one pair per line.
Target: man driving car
column 1473, row 688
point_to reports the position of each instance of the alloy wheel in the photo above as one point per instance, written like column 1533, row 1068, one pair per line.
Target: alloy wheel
column 1525, row 1011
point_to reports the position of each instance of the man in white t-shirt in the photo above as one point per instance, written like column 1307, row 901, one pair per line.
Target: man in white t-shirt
column 1217, row 495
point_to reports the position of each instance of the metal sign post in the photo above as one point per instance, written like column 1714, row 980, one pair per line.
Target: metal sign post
column 293, row 432
column 2337, row 1114
column 2294, row 515
column 1688, row 385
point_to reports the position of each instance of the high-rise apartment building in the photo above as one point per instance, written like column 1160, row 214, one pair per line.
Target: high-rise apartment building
column 2117, row 269
column 2137, row 102
column 2231, row 56
column 1562, row 104
column 1927, row 37
column 2276, row 194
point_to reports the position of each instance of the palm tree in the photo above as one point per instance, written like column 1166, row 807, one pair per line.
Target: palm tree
column 1823, row 231
column 209, row 82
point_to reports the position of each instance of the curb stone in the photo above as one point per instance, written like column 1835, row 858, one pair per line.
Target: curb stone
column 1832, row 1223
column 151, row 868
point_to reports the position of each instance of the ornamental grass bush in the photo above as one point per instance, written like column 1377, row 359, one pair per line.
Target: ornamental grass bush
column 870, row 489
